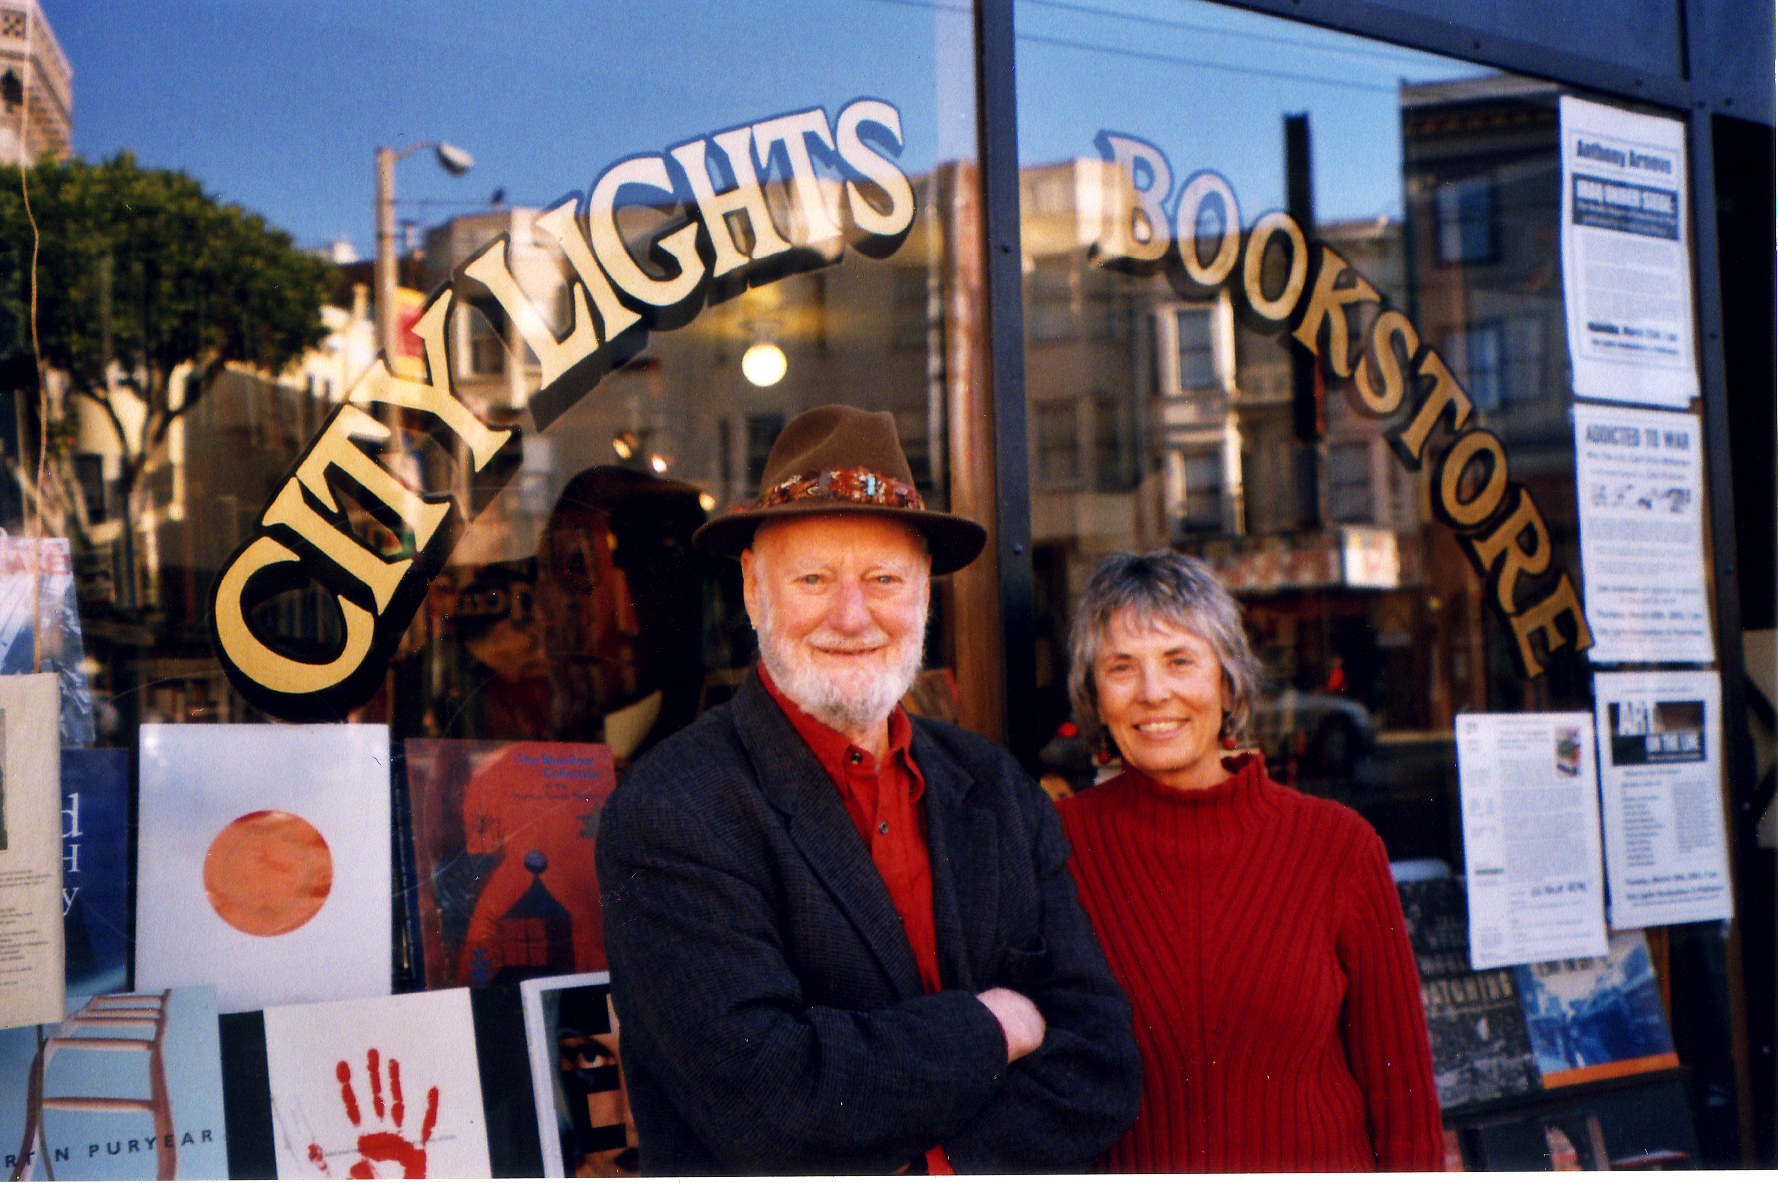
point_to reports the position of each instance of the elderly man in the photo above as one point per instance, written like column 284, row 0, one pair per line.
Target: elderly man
column 842, row 939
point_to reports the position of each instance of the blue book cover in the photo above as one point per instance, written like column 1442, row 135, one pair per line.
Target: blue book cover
column 1593, row 1018
column 165, row 1124
column 96, row 868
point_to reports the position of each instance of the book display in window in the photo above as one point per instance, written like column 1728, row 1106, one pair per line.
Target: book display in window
column 1481, row 1049
column 503, row 850
column 1597, row 1017
column 96, row 868
column 129, row 1086
column 583, row 1107
column 264, row 861
column 376, row 1087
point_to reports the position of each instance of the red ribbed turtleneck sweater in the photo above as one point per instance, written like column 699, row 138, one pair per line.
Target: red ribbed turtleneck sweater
column 1260, row 939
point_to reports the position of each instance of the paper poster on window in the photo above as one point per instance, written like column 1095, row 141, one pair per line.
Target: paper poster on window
column 1638, row 476
column 1530, row 837
column 1660, row 744
column 1626, row 266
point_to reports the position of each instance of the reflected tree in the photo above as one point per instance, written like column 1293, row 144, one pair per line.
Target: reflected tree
column 145, row 287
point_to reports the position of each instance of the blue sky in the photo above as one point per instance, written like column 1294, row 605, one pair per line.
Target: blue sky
column 279, row 106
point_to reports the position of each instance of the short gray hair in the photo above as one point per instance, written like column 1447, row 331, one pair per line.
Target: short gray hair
column 1160, row 586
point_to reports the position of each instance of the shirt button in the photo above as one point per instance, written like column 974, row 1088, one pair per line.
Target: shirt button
column 882, row 827
column 855, row 757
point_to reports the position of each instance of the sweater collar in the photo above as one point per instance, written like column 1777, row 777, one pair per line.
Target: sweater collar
column 1246, row 779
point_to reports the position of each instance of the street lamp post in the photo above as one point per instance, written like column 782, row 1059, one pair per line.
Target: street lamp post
column 453, row 160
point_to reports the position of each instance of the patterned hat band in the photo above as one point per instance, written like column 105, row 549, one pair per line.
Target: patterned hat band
column 856, row 486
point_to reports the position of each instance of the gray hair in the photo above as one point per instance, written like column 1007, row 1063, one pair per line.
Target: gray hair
column 1160, row 586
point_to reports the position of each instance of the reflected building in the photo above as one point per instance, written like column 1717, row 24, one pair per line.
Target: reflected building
column 36, row 86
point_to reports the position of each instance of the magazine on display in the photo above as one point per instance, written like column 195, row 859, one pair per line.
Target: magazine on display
column 48, row 641
column 376, row 1086
column 1481, row 1050
column 1594, row 1018
column 32, row 970
column 96, row 868
column 583, row 1109
column 1648, row 1127
column 503, row 837
column 264, row 861
column 144, row 1104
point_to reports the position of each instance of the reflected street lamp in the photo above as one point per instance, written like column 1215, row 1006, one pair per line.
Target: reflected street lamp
column 453, row 160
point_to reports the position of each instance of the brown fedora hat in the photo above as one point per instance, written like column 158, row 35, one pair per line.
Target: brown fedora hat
column 839, row 459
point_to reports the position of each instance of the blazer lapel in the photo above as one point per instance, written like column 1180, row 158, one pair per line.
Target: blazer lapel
column 961, row 843
column 796, row 785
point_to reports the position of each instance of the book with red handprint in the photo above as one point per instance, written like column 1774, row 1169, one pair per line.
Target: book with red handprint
column 376, row 1088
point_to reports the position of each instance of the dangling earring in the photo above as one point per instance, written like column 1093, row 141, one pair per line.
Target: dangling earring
column 1103, row 755
column 1229, row 743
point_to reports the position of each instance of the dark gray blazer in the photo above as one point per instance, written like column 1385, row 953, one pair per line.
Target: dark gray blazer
column 772, row 1018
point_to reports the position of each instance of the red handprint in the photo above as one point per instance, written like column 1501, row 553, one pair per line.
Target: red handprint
column 382, row 1146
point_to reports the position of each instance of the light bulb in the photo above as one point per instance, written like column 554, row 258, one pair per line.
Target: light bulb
column 763, row 364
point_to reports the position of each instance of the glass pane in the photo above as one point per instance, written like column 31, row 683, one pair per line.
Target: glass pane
column 748, row 232
column 1158, row 141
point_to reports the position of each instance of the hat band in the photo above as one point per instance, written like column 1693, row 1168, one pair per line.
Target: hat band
column 855, row 486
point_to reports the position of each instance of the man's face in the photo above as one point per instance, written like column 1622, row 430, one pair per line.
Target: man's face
column 839, row 603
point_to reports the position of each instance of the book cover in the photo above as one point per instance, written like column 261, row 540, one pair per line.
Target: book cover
column 1593, row 1018
column 264, row 861
column 32, row 973
column 376, row 1087
column 1481, row 1049
column 49, row 640
column 503, row 850
column 96, row 869
column 583, row 1107
column 1647, row 1127
column 130, row 1088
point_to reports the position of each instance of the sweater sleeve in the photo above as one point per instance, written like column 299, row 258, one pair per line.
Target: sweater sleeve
column 1383, row 1022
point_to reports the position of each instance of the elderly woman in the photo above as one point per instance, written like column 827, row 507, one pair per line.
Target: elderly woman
column 1256, row 930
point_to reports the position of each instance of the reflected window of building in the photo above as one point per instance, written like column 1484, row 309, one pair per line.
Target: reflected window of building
column 1195, row 351
column 1467, row 228
column 1058, row 445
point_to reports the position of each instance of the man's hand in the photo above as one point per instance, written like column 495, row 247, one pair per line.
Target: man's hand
column 1020, row 1021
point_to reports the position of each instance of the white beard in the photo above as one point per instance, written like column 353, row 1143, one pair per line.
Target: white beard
column 851, row 704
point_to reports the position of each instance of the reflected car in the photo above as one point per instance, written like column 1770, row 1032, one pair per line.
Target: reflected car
column 1327, row 733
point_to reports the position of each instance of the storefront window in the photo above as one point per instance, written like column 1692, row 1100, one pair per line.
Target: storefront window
column 1257, row 203
column 572, row 607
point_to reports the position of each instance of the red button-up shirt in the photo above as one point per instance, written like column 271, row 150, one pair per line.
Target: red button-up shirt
column 883, row 801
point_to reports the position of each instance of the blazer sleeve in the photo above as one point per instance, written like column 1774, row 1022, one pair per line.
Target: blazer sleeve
column 1071, row 1099
column 1384, row 1021
column 768, row 1080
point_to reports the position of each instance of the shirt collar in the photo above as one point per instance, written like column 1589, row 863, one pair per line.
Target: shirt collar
column 831, row 747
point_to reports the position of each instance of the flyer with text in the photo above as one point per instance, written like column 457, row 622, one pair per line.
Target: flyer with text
column 31, row 954
column 1639, row 479
column 1626, row 265
column 1530, row 837
column 1660, row 744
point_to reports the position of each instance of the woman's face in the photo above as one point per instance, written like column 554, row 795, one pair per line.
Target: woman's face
column 1161, row 696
